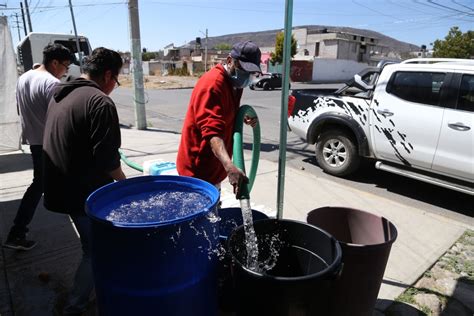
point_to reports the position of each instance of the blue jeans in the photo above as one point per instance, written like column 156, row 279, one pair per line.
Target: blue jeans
column 78, row 299
column 32, row 196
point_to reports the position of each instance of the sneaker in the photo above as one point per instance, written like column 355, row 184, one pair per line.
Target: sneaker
column 19, row 244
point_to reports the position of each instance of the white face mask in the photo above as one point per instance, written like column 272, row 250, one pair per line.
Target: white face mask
column 240, row 79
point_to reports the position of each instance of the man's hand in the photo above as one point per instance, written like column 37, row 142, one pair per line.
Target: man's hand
column 117, row 174
column 252, row 121
column 236, row 178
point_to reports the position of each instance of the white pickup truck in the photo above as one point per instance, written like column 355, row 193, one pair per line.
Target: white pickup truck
column 415, row 118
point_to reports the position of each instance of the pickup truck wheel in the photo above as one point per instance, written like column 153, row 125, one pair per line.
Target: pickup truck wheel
column 336, row 153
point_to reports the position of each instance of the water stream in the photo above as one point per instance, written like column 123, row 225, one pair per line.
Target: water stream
column 251, row 241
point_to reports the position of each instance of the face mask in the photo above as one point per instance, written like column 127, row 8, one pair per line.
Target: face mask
column 240, row 79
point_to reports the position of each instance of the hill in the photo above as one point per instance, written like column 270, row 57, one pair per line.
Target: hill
column 267, row 38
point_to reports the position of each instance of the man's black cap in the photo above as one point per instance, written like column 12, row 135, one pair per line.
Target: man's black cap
column 248, row 54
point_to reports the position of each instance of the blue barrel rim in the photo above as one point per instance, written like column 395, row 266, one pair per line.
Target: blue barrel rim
column 334, row 268
column 214, row 196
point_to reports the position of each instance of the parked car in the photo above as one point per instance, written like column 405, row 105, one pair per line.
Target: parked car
column 415, row 118
column 267, row 81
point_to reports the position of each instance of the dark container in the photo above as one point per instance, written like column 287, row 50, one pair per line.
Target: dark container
column 366, row 240
column 156, row 267
column 300, row 283
column 231, row 218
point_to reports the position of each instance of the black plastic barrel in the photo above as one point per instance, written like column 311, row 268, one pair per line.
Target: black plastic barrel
column 164, row 263
column 306, row 262
column 230, row 218
column 366, row 240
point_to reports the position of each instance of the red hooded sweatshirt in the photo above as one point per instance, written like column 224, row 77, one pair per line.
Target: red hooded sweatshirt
column 211, row 112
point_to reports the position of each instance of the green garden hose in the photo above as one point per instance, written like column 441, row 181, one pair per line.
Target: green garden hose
column 129, row 163
column 238, row 152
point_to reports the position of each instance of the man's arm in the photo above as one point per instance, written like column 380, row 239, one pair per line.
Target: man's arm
column 117, row 174
column 236, row 176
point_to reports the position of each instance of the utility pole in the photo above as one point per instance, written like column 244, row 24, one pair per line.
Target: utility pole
column 139, row 99
column 28, row 15
column 78, row 46
column 23, row 17
column 205, row 50
column 17, row 26
column 205, row 54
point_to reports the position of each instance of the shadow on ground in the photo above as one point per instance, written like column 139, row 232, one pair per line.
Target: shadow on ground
column 421, row 191
column 15, row 162
column 38, row 279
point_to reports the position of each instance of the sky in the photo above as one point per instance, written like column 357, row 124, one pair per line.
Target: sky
column 106, row 23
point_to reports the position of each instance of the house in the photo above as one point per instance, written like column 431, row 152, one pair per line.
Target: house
column 324, row 43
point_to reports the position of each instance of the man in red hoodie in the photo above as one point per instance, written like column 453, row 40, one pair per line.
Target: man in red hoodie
column 206, row 141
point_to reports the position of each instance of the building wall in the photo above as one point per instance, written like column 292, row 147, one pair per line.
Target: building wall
column 328, row 49
column 300, row 36
column 326, row 70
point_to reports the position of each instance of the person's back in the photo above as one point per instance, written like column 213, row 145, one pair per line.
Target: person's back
column 81, row 142
column 34, row 91
column 76, row 160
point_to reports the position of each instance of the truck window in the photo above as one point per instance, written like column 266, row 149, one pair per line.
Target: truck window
column 419, row 87
column 71, row 45
column 466, row 94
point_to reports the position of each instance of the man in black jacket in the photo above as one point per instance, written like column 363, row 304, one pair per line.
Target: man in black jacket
column 80, row 152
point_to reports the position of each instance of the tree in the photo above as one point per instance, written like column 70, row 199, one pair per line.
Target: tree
column 223, row 46
column 277, row 57
column 146, row 56
column 455, row 45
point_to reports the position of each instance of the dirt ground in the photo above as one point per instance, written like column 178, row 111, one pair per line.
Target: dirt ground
column 161, row 82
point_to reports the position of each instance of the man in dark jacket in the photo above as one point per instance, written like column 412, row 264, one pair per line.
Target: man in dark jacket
column 80, row 152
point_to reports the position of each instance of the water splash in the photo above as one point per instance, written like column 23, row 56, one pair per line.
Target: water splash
column 251, row 241
column 157, row 207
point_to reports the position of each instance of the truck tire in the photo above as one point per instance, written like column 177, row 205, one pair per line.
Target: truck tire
column 266, row 86
column 336, row 153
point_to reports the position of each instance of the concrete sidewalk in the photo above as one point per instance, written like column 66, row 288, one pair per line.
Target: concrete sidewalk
column 33, row 281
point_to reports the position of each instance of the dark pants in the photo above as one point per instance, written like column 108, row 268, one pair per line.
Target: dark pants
column 78, row 299
column 31, row 197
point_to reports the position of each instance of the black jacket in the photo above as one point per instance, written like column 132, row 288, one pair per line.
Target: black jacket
column 80, row 145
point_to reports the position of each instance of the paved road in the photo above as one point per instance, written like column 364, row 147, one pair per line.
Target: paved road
column 166, row 109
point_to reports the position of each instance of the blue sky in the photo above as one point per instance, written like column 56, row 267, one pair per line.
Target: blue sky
column 179, row 21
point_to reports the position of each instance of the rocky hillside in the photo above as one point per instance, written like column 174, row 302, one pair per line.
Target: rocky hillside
column 267, row 38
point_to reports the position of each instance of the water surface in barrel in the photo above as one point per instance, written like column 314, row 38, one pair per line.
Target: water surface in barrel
column 161, row 206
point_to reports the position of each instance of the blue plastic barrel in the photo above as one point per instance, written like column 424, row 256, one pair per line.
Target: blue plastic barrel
column 161, row 262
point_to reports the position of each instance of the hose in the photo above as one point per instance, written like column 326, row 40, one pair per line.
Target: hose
column 238, row 152
column 129, row 163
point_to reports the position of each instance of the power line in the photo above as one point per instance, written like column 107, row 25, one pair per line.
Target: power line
column 462, row 5
column 450, row 8
column 17, row 25
column 373, row 10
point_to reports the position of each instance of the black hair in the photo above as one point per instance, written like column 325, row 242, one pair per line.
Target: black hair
column 56, row 51
column 101, row 60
